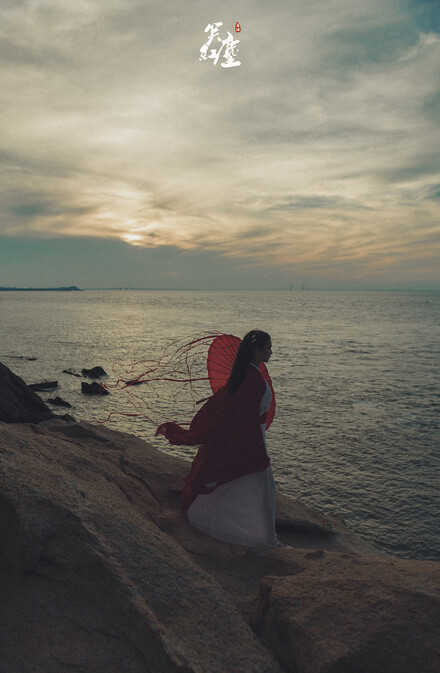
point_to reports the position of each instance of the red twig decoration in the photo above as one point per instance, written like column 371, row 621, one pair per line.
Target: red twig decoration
column 182, row 363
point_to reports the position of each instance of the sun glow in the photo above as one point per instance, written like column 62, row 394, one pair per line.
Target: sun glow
column 134, row 239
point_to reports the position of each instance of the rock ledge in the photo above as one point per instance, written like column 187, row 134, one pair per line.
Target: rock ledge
column 99, row 572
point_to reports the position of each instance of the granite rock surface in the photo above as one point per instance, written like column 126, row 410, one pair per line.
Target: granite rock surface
column 99, row 571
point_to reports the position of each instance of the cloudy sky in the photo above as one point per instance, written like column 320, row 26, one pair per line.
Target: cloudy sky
column 127, row 160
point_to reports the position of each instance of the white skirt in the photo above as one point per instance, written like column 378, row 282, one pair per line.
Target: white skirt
column 241, row 511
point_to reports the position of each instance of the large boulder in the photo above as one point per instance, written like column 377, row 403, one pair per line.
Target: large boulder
column 89, row 581
column 19, row 404
column 346, row 614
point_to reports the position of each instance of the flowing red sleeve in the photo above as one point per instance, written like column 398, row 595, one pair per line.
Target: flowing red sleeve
column 230, row 438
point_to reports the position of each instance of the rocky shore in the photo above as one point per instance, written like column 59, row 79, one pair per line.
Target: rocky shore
column 100, row 572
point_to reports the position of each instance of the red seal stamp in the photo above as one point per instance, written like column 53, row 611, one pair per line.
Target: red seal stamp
column 237, row 27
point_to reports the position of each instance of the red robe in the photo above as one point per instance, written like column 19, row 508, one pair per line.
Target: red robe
column 229, row 433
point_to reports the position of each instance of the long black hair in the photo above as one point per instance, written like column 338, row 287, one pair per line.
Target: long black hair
column 254, row 339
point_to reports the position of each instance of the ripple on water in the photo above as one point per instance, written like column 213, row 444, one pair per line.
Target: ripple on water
column 356, row 377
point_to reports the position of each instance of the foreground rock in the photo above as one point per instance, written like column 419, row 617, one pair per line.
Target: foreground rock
column 18, row 403
column 350, row 614
column 89, row 580
column 99, row 572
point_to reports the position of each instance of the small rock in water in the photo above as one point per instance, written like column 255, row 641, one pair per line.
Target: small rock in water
column 59, row 402
column 43, row 385
column 93, row 388
column 21, row 357
column 94, row 373
column 71, row 372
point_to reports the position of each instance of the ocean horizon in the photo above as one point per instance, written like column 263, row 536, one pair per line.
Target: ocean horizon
column 217, row 289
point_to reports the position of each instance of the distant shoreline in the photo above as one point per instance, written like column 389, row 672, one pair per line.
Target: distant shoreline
column 72, row 288
column 188, row 289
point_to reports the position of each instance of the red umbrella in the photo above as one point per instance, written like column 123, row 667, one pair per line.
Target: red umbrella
column 221, row 358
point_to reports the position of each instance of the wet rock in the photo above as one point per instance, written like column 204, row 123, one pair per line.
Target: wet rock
column 59, row 402
column 43, row 385
column 93, row 388
column 71, row 372
column 94, row 373
column 19, row 404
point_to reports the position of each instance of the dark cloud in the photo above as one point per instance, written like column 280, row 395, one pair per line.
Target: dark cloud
column 91, row 262
column 32, row 209
column 434, row 192
column 431, row 106
column 425, row 14
column 321, row 202
column 33, row 56
column 21, row 161
column 259, row 232
column 424, row 165
column 42, row 208
column 365, row 48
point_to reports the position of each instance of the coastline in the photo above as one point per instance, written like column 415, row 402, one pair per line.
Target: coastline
column 71, row 288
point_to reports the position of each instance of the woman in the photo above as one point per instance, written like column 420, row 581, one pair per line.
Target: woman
column 230, row 491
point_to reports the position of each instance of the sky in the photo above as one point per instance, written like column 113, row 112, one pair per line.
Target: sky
column 129, row 160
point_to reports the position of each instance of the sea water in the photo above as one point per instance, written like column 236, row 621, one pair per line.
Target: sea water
column 356, row 377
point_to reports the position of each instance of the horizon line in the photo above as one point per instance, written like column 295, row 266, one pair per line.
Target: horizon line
column 213, row 289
